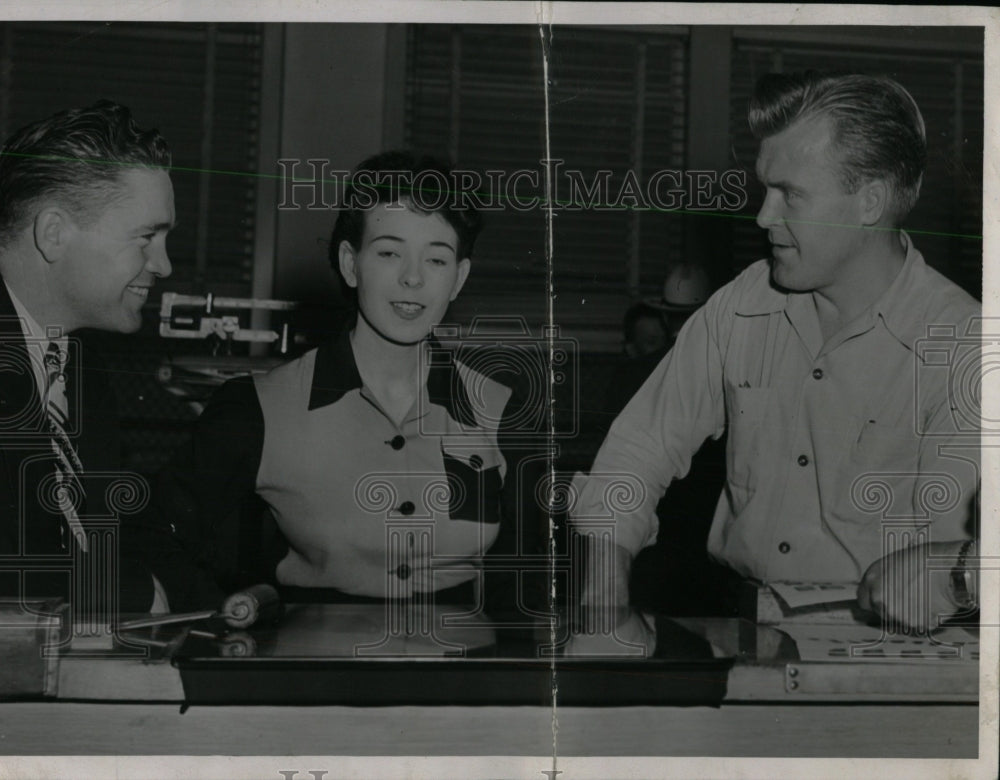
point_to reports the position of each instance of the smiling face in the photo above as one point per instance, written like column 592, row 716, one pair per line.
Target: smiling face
column 105, row 270
column 406, row 271
column 815, row 227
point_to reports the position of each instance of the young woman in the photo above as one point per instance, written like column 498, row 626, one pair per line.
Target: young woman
column 381, row 460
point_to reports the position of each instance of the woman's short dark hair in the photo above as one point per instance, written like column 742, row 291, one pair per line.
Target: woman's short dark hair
column 877, row 126
column 424, row 183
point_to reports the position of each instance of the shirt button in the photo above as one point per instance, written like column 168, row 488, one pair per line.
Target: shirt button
column 784, row 547
column 817, row 373
column 403, row 572
column 397, row 442
column 803, row 460
column 407, row 508
column 476, row 462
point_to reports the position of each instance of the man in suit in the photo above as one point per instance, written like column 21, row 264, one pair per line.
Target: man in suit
column 85, row 207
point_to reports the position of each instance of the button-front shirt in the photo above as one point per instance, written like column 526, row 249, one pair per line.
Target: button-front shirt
column 368, row 506
column 365, row 503
column 833, row 448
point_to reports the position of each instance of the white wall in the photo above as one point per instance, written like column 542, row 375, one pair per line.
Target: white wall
column 332, row 108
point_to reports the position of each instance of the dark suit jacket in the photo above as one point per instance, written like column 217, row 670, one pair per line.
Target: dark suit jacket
column 30, row 530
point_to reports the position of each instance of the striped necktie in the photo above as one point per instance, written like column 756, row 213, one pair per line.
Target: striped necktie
column 69, row 489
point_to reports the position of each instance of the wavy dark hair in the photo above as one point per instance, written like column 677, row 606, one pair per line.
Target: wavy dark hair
column 76, row 156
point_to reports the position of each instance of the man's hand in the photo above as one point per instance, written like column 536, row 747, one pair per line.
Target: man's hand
column 906, row 592
column 606, row 573
column 618, row 632
column 605, row 625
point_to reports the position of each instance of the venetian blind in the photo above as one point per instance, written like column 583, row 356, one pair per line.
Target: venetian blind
column 617, row 105
column 946, row 223
column 197, row 83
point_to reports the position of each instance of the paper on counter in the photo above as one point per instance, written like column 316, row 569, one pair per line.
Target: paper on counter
column 803, row 594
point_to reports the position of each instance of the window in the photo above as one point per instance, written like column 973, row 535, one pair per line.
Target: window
column 197, row 83
column 617, row 104
column 943, row 70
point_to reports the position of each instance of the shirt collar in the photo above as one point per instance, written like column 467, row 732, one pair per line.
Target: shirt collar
column 895, row 306
column 29, row 326
column 36, row 342
column 335, row 374
column 762, row 298
column 445, row 386
column 33, row 332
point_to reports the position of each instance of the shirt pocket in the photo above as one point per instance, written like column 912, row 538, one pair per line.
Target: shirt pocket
column 888, row 448
column 474, row 481
column 746, row 408
column 879, row 472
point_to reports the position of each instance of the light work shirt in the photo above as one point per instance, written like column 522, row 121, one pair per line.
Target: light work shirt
column 836, row 451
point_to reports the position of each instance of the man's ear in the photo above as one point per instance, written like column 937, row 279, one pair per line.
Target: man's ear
column 53, row 228
column 875, row 197
column 464, row 265
column 348, row 266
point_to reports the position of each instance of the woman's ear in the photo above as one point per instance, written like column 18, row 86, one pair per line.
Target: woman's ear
column 463, row 273
column 348, row 263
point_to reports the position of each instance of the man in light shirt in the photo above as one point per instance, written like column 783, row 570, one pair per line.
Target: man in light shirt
column 849, row 455
column 85, row 207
